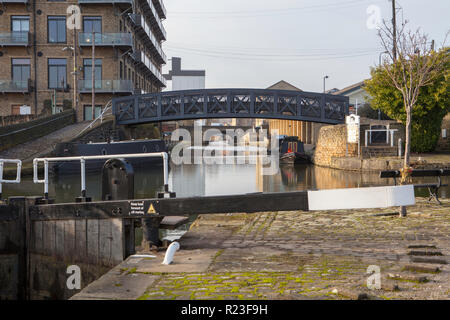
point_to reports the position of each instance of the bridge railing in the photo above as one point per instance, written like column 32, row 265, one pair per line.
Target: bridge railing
column 231, row 103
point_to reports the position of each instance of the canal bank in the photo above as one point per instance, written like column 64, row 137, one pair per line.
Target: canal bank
column 294, row 255
column 418, row 161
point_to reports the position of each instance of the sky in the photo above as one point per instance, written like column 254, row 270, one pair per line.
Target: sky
column 256, row 43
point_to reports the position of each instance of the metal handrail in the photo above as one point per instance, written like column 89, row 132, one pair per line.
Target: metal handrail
column 83, row 160
column 100, row 117
column 18, row 175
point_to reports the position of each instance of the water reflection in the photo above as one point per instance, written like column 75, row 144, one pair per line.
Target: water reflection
column 204, row 180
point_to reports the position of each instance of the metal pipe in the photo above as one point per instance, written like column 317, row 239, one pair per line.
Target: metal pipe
column 83, row 160
column 83, row 177
column 18, row 174
column 46, row 179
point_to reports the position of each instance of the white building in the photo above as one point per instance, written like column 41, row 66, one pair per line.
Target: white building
column 185, row 79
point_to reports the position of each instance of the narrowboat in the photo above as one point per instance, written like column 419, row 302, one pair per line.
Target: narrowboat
column 292, row 150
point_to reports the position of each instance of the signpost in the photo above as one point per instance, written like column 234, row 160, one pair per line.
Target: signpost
column 353, row 130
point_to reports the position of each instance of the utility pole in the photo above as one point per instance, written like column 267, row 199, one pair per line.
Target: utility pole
column 93, row 75
column 75, row 72
column 394, row 31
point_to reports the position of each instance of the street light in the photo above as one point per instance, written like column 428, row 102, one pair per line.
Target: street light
column 324, row 78
column 75, row 73
column 379, row 58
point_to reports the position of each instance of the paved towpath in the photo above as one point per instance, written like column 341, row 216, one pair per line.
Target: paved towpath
column 296, row 255
column 44, row 145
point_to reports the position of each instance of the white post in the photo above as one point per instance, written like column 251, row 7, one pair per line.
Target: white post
column 46, row 179
column 392, row 138
column 400, row 148
column 1, row 178
column 366, row 137
column 83, row 177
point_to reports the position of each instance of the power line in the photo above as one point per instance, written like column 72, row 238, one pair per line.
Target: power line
column 272, row 12
column 272, row 59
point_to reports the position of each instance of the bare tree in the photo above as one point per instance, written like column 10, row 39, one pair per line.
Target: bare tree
column 413, row 64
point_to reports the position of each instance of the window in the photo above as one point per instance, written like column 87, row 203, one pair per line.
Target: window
column 57, row 73
column 20, row 72
column 20, row 23
column 88, row 112
column 87, row 68
column 444, row 133
column 56, row 29
column 92, row 24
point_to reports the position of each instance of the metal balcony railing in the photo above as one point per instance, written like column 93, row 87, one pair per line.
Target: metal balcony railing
column 106, row 39
column 139, row 22
column 151, row 12
column 12, row 86
column 15, row 38
column 159, row 5
column 130, row 2
column 14, row 1
column 142, row 58
column 106, row 86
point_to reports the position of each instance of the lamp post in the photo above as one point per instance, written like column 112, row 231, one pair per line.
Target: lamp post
column 379, row 57
column 74, row 73
column 93, row 75
column 324, row 79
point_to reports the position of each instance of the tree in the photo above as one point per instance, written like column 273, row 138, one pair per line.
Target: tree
column 413, row 65
column 433, row 104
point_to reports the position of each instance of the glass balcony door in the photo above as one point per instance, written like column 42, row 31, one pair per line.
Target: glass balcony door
column 20, row 73
column 87, row 63
column 20, row 23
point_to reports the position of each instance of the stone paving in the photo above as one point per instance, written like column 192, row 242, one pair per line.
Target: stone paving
column 300, row 255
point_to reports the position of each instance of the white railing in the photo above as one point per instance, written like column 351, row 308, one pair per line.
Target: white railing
column 83, row 160
column 99, row 118
column 389, row 133
column 18, row 175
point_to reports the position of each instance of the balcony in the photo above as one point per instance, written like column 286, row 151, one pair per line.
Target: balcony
column 106, row 39
column 150, row 11
column 160, row 8
column 115, row 2
column 143, row 29
column 107, row 86
column 141, row 58
column 11, row 86
column 17, row 38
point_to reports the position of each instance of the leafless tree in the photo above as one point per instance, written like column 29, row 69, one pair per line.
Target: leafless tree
column 413, row 66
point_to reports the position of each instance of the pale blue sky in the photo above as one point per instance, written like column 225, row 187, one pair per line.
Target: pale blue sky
column 255, row 43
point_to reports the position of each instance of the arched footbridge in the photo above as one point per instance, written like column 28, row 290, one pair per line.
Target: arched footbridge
column 230, row 103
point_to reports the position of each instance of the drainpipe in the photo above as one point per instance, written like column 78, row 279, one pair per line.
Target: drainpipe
column 35, row 60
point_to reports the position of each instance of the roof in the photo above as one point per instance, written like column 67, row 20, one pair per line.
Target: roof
column 283, row 85
column 350, row 89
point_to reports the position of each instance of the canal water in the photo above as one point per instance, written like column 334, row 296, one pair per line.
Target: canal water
column 206, row 180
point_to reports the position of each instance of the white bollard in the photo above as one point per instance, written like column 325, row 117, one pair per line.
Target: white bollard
column 171, row 252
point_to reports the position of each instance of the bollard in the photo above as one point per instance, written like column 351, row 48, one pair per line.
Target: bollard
column 117, row 180
column 400, row 148
column 150, row 228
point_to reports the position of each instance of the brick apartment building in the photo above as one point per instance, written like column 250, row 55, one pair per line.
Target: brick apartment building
column 37, row 53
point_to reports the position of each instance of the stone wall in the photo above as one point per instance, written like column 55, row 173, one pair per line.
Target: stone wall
column 332, row 143
column 444, row 143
